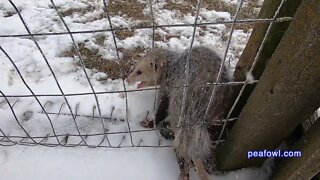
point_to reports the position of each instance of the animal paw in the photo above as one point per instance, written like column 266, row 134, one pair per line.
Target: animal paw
column 147, row 124
column 165, row 130
column 167, row 133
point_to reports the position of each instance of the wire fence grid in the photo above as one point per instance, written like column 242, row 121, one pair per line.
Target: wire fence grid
column 53, row 138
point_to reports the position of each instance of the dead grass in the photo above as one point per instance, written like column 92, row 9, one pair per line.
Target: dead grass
column 131, row 8
column 113, row 68
column 99, row 39
column 184, row 8
column 8, row 13
column 132, row 54
column 246, row 12
column 217, row 5
column 165, row 38
column 80, row 11
column 123, row 34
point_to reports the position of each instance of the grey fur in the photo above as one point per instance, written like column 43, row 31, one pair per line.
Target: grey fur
column 193, row 138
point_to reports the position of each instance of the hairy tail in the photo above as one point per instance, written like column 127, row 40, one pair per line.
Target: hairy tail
column 193, row 142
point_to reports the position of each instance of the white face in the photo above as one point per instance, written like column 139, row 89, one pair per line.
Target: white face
column 147, row 73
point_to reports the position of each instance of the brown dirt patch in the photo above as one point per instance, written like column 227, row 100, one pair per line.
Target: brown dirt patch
column 165, row 38
column 99, row 39
column 131, row 8
column 80, row 11
column 123, row 34
column 245, row 11
column 113, row 68
column 9, row 13
column 184, row 8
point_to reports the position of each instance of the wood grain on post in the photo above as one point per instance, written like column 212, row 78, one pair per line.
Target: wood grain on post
column 288, row 93
column 268, row 9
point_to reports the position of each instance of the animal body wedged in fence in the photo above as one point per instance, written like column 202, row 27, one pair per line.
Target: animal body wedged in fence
column 194, row 128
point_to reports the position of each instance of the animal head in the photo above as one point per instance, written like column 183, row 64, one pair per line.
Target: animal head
column 148, row 69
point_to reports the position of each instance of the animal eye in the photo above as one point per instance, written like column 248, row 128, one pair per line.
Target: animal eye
column 139, row 72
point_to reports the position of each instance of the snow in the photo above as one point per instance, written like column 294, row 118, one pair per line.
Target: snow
column 39, row 162
column 262, row 173
column 83, row 163
column 20, row 162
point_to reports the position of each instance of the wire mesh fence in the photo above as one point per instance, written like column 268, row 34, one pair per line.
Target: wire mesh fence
column 101, row 132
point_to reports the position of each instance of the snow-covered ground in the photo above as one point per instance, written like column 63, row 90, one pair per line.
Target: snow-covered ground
column 39, row 162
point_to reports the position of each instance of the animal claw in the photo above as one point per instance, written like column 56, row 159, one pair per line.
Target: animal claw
column 147, row 124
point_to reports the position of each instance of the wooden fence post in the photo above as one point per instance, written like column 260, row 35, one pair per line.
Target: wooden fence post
column 288, row 92
column 268, row 9
column 308, row 165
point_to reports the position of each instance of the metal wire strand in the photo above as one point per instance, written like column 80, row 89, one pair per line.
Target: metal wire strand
column 106, row 12
column 28, row 87
column 6, row 137
column 16, row 118
column 187, row 66
column 86, row 74
column 46, row 60
column 134, row 90
column 252, row 66
column 240, row 21
column 223, row 60
column 28, row 140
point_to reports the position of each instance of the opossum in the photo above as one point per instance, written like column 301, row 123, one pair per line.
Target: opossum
column 194, row 134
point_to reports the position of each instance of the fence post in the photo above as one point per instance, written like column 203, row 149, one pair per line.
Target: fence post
column 288, row 93
column 317, row 177
column 268, row 9
column 308, row 164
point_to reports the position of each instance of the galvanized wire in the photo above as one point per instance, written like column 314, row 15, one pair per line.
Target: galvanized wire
column 62, row 139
